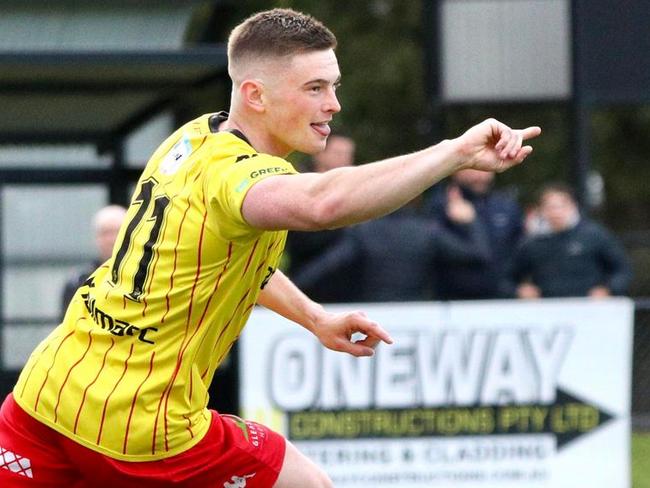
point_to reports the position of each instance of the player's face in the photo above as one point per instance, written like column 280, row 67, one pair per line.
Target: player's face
column 301, row 102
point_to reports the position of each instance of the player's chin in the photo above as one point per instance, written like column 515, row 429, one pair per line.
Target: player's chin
column 315, row 143
column 312, row 149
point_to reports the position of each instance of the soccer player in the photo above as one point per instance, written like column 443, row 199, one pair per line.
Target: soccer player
column 117, row 394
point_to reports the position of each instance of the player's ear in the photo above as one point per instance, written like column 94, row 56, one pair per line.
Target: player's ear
column 252, row 94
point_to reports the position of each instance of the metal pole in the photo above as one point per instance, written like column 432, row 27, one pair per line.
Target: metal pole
column 581, row 113
column 118, row 183
column 432, row 42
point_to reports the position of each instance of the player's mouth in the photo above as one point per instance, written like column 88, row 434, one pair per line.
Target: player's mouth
column 321, row 128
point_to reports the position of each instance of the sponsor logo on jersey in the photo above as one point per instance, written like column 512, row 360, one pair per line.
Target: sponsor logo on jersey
column 268, row 171
column 115, row 326
column 176, row 156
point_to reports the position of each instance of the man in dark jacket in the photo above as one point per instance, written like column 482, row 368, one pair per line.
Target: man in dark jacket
column 394, row 257
column 500, row 216
column 574, row 257
column 305, row 247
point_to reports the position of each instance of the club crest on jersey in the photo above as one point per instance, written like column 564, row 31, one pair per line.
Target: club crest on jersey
column 176, row 156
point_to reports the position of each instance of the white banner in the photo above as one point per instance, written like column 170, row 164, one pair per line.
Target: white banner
column 476, row 394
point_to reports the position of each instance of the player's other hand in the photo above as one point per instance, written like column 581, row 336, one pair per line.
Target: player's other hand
column 335, row 331
column 493, row 146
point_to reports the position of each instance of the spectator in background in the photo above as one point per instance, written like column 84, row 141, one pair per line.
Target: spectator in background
column 106, row 225
column 393, row 258
column 338, row 152
column 534, row 222
column 502, row 219
column 304, row 247
column 573, row 257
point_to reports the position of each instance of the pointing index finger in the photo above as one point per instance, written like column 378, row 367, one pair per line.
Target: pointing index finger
column 375, row 330
column 530, row 132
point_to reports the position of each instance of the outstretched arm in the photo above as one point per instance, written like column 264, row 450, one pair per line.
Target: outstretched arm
column 334, row 331
column 350, row 195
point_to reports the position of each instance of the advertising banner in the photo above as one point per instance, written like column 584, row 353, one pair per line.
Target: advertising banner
column 474, row 394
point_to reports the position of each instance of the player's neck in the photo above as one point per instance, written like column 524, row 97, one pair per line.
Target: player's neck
column 256, row 134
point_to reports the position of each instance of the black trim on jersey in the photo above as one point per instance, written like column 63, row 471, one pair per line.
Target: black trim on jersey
column 215, row 121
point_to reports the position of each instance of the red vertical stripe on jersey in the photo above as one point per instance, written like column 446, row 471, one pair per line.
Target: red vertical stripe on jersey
column 178, row 240
column 83, row 397
column 269, row 248
column 250, row 257
column 223, row 354
column 189, row 426
column 272, row 246
column 191, row 379
column 205, row 372
column 225, row 327
column 110, row 287
column 207, row 305
column 31, row 370
column 58, row 398
column 226, row 351
column 151, row 274
column 101, row 423
column 166, row 392
column 135, row 397
column 50, row 369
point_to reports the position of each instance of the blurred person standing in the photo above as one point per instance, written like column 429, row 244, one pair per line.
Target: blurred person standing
column 339, row 152
column 572, row 256
column 500, row 215
column 395, row 257
column 303, row 248
column 106, row 225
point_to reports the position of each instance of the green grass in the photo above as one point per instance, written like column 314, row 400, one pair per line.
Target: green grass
column 641, row 460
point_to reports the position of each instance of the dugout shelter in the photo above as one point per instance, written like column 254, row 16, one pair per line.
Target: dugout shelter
column 88, row 89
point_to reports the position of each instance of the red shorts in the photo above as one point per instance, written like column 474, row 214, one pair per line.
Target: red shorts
column 233, row 454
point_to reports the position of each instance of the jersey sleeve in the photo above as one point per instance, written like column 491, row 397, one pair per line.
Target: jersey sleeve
column 226, row 191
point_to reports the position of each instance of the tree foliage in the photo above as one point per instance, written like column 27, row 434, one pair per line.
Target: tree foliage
column 385, row 107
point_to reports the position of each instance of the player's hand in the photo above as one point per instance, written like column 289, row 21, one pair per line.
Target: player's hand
column 493, row 146
column 335, row 332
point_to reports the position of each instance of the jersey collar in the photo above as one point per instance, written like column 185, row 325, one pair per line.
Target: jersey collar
column 215, row 121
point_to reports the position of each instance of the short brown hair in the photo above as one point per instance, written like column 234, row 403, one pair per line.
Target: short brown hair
column 554, row 188
column 279, row 32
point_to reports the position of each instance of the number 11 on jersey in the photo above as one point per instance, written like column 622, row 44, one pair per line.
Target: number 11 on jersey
column 160, row 204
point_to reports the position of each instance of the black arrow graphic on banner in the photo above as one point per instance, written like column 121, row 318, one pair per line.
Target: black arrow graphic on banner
column 567, row 418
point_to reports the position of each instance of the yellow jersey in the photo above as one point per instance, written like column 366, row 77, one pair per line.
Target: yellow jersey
column 127, row 371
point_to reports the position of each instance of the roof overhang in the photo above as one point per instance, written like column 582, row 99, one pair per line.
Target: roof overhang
column 82, row 96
